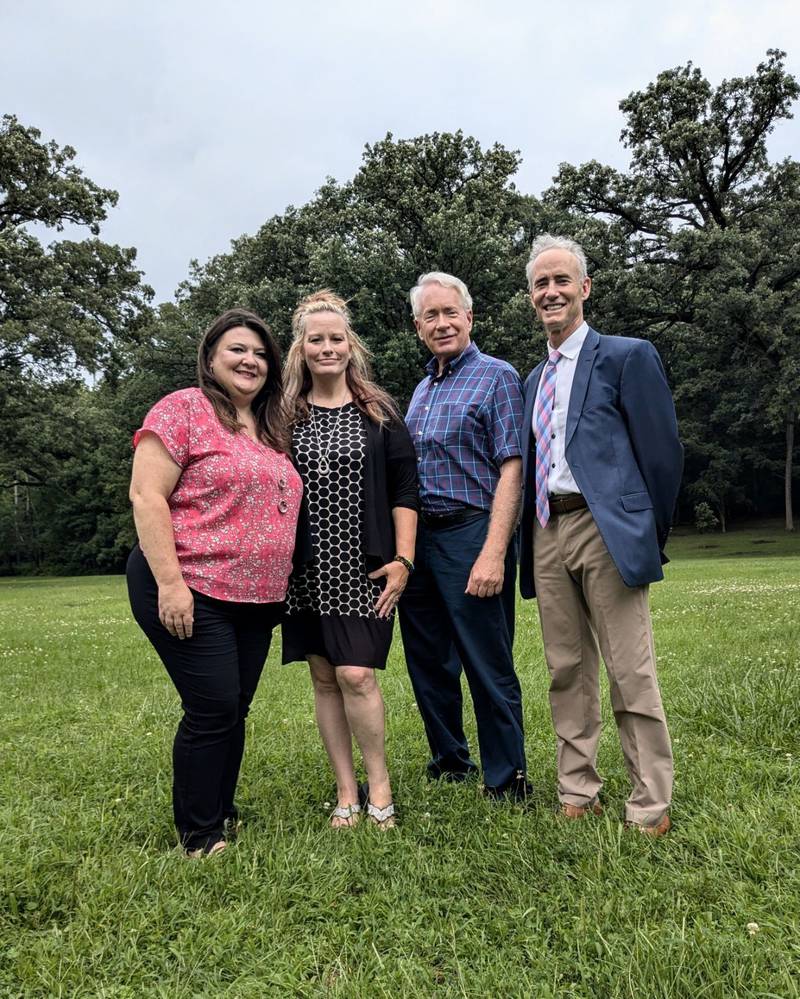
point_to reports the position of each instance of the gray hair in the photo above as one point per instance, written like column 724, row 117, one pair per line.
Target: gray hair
column 446, row 281
column 548, row 242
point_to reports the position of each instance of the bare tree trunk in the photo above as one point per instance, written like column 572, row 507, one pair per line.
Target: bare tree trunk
column 721, row 511
column 787, row 477
column 17, row 530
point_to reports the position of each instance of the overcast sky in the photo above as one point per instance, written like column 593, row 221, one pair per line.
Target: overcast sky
column 210, row 120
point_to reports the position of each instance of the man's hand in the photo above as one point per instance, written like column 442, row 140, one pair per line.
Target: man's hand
column 487, row 576
column 488, row 572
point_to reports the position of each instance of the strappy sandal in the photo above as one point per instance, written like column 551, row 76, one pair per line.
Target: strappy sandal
column 207, row 850
column 350, row 813
column 383, row 818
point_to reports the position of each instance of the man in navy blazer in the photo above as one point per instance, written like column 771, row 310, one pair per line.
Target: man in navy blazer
column 602, row 466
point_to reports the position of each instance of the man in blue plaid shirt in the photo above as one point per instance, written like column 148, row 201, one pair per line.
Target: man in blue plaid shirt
column 458, row 607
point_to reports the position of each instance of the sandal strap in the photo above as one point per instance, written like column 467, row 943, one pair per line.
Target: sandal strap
column 380, row 814
column 345, row 811
column 211, row 846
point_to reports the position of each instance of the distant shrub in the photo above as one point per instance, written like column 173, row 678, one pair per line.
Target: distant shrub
column 705, row 520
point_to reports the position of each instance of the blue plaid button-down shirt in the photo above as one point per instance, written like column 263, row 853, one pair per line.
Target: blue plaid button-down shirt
column 464, row 424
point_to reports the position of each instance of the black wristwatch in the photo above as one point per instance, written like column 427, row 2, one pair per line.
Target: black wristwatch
column 404, row 561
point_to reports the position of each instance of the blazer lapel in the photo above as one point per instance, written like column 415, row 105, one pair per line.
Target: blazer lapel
column 580, row 382
column 532, row 386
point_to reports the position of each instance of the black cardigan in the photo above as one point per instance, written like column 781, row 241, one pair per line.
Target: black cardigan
column 390, row 480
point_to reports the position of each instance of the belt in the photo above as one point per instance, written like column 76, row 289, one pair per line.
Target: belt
column 434, row 521
column 567, row 503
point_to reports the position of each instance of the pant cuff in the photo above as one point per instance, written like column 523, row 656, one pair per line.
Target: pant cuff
column 641, row 817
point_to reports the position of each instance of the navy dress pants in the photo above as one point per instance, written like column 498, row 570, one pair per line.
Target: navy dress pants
column 216, row 673
column 443, row 629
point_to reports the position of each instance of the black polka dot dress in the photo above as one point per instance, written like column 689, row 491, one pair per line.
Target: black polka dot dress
column 330, row 606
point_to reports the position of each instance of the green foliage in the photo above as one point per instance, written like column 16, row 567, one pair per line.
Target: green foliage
column 436, row 202
column 696, row 246
column 464, row 898
column 41, row 184
column 66, row 310
column 704, row 519
column 72, row 306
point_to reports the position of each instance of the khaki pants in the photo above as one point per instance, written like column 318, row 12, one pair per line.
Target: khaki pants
column 582, row 600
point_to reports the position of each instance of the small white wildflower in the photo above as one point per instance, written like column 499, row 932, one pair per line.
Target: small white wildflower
column 326, row 804
column 752, row 929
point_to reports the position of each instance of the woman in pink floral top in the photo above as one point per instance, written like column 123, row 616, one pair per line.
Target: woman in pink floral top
column 215, row 501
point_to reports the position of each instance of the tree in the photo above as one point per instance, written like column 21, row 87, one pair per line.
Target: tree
column 67, row 311
column 433, row 202
column 696, row 245
column 64, row 309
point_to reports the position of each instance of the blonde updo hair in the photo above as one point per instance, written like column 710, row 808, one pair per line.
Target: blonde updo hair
column 370, row 399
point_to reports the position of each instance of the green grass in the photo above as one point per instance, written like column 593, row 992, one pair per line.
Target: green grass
column 765, row 539
column 465, row 898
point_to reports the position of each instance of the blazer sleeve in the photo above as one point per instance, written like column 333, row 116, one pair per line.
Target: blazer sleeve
column 402, row 482
column 646, row 403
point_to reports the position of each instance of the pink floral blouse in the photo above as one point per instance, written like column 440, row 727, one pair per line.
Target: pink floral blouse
column 234, row 509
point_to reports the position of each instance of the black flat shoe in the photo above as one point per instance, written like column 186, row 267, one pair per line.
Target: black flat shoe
column 517, row 790
column 434, row 772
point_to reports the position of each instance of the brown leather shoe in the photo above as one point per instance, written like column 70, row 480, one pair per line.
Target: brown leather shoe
column 659, row 829
column 567, row 811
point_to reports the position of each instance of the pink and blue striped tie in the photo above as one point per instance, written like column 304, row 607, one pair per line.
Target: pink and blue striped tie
column 542, row 428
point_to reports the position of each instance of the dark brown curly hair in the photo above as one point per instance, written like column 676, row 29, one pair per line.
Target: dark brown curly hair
column 269, row 407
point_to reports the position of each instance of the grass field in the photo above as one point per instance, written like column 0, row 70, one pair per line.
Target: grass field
column 465, row 897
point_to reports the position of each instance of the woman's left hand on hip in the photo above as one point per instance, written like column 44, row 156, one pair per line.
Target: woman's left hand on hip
column 396, row 578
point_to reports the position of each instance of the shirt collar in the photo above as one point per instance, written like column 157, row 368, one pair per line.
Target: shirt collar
column 571, row 347
column 432, row 367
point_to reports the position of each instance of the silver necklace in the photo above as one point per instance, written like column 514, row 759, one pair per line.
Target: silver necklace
column 324, row 464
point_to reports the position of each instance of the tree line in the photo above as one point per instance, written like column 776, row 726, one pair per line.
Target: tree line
column 695, row 247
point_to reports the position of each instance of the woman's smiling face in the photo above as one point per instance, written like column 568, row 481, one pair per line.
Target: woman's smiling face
column 326, row 346
column 239, row 364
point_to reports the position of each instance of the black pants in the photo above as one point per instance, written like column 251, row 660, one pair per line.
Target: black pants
column 445, row 628
column 216, row 673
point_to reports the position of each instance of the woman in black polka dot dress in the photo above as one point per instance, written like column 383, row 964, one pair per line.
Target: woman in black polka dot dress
column 358, row 467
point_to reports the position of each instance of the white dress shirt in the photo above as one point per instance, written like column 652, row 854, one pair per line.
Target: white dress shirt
column 560, row 479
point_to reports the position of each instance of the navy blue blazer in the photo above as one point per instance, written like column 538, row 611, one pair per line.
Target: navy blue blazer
column 623, row 451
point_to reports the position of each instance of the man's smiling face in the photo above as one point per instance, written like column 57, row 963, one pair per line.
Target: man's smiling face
column 443, row 324
column 558, row 293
